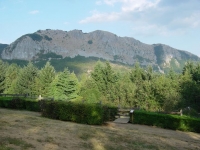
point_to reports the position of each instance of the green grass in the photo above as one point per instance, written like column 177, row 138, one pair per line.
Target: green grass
column 4, row 141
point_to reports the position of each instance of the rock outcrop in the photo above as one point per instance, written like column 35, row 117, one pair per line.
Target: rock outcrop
column 98, row 43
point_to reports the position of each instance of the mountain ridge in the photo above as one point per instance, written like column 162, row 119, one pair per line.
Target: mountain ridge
column 100, row 44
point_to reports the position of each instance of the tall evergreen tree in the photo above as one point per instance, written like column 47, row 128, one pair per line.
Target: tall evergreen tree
column 125, row 92
column 3, row 67
column 105, row 79
column 25, row 83
column 64, row 86
column 44, row 80
column 89, row 90
column 11, row 75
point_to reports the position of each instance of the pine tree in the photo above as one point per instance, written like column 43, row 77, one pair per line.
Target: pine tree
column 25, row 83
column 125, row 92
column 64, row 86
column 89, row 90
column 105, row 78
column 44, row 80
column 11, row 75
column 3, row 68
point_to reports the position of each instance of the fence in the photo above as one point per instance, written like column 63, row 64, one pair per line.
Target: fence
column 26, row 96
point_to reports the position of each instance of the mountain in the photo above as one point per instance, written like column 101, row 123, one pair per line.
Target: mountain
column 2, row 46
column 58, row 44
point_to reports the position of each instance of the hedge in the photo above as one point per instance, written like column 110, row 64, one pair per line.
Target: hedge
column 19, row 103
column 174, row 122
column 85, row 113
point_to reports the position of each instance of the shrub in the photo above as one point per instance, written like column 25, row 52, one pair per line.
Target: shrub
column 35, row 37
column 47, row 38
column 19, row 103
column 77, row 112
column 90, row 42
column 190, row 112
column 173, row 122
column 32, row 105
column 16, row 103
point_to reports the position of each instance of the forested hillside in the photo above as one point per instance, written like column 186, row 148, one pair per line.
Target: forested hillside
column 137, row 87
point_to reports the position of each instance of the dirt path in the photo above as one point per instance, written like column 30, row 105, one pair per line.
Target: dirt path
column 28, row 130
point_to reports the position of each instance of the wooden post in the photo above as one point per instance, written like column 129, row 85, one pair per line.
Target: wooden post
column 109, row 114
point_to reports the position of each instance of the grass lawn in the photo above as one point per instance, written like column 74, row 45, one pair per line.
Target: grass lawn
column 28, row 130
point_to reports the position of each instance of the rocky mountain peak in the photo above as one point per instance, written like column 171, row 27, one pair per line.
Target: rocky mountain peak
column 101, row 44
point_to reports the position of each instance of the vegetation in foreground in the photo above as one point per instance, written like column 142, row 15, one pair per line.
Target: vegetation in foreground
column 137, row 87
column 28, row 130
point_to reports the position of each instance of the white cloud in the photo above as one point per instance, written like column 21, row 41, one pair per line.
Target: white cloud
column 107, row 2
column 34, row 12
column 193, row 19
column 101, row 17
column 99, row 3
column 127, row 7
column 135, row 5
column 151, row 29
column 163, row 17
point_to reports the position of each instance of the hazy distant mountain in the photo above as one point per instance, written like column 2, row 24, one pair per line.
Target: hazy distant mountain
column 2, row 46
column 59, row 44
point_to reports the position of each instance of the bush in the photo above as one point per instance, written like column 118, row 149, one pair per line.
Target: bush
column 35, row 37
column 19, row 103
column 190, row 112
column 90, row 42
column 77, row 112
column 47, row 38
column 16, row 103
column 173, row 122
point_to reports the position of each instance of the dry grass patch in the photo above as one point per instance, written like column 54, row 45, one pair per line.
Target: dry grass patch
column 28, row 130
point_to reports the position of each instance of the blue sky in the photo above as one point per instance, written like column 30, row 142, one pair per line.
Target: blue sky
column 172, row 22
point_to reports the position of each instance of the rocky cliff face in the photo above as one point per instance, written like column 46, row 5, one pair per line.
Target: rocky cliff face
column 99, row 44
column 2, row 46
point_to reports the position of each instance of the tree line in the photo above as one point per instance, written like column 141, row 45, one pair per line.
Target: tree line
column 137, row 87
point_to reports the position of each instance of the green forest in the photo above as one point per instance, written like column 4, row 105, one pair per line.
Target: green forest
column 138, row 87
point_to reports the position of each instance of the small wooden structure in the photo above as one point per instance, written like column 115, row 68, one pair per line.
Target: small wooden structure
column 123, row 116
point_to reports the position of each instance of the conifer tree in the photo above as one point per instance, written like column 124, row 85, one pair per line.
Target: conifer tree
column 89, row 90
column 11, row 75
column 105, row 78
column 25, row 83
column 64, row 86
column 44, row 80
column 3, row 67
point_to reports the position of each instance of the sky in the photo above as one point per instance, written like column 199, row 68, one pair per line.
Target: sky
column 172, row 22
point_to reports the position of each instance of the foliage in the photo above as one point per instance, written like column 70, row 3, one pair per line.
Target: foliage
column 11, row 75
column 64, row 86
column 35, row 37
column 45, row 78
column 90, row 42
column 77, row 112
column 19, row 103
column 47, row 38
column 105, row 78
column 3, row 67
column 135, row 87
column 89, row 91
column 49, row 55
column 26, row 80
column 173, row 122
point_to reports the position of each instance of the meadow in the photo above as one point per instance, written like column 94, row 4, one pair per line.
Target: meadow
column 29, row 130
